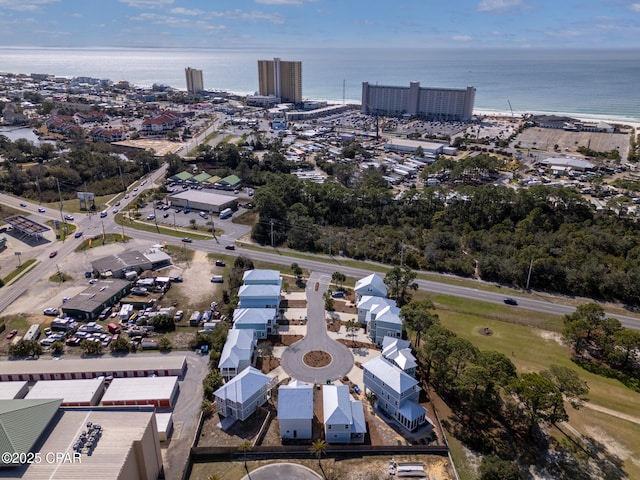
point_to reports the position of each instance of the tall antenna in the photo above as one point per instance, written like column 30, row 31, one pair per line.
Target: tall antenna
column 509, row 102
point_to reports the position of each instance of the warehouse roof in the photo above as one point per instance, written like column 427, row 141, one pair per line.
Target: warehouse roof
column 202, row 196
column 141, row 388
column 10, row 390
column 95, row 295
column 70, row 391
column 102, row 365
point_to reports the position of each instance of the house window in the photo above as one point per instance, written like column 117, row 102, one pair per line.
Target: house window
column 346, row 427
column 329, row 427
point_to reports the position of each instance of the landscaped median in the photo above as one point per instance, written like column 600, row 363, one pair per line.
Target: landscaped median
column 19, row 271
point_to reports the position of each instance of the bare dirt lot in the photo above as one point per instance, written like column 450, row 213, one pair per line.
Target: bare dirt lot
column 546, row 138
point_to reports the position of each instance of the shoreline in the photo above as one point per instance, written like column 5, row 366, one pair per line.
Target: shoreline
column 584, row 117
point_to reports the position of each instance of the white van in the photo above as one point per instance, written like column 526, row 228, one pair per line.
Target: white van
column 103, row 214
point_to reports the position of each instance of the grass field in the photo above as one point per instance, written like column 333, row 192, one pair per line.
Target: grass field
column 532, row 342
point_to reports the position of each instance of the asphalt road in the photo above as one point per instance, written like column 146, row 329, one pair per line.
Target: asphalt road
column 316, row 339
column 93, row 225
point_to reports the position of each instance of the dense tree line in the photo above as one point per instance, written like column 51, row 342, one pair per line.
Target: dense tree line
column 94, row 166
column 498, row 232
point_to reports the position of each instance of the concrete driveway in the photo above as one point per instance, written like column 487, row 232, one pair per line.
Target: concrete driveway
column 316, row 339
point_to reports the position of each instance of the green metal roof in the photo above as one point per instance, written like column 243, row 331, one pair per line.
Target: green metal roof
column 201, row 177
column 182, row 176
column 23, row 421
column 231, row 180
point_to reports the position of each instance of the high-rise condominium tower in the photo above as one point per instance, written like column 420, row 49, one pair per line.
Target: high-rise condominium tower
column 281, row 79
column 195, row 83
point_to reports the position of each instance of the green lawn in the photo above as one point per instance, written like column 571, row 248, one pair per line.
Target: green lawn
column 535, row 349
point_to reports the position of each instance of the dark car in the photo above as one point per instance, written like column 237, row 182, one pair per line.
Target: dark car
column 230, row 247
column 220, row 263
column 177, row 279
column 510, row 301
column 187, row 240
column 23, row 205
column 78, row 234
column 53, row 254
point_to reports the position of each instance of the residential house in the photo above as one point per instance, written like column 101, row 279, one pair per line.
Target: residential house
column 108, row 135
column 295, row 410
column 367, row 302
column 237, row 353
column 371, row 285
column 162, row 123
column 261, row 320
column 397, row 393
column 383, row 321
column 343, row 417
column 244, row 393
column 398, row 352
column 92, row 116
column 259, row 296
column 262, row 277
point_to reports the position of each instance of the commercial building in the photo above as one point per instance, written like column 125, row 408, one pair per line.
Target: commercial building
column 127, row 447
column 74, row 393
column 13, row 390
column 281, row 79
column 158, row 391
column 437, row 103
column 88, row 304
column 202, row 200
column 195, row 84
column 116, row 266
column 75, row 368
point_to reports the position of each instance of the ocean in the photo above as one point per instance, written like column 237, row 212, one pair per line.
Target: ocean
column 583, row 83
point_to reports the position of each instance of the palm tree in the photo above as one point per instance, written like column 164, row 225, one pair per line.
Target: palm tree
column 244, row 448
column 319, row 448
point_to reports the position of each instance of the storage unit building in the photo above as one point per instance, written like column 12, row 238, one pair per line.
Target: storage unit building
column 74, row 393
column 158, row 391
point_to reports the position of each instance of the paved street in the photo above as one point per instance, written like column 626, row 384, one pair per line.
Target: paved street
column 316, row 339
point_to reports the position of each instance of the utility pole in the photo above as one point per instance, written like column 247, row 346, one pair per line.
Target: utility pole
column 271, row 222
column 121, row 179
column 529, row 274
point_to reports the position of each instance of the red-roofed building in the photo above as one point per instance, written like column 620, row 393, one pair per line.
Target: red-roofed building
column 92, row 116
column 100, row 134
column 164, row 122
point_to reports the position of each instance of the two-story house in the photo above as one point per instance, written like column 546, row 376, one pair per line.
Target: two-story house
column 295, row 410
column 343, row 417
column 259, row 296
column 397, row 393
column 398, row 352
column 237, row 353
column 371, row 285
column 261, row 320
column 244, row 393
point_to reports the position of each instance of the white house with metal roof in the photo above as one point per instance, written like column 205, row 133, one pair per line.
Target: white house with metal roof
column 366, row 302
column 295, row 410
column 260, row 320
column 237, row 353
column 397, row 392
column 398, row 352
column 343, row 417
column 371, row 285
column 244, row 393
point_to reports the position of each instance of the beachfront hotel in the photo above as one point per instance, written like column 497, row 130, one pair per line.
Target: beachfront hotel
column 195, row 84
column 437, row 103
column 281, row 79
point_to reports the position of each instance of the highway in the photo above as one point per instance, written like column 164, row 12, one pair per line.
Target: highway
column 93, row 225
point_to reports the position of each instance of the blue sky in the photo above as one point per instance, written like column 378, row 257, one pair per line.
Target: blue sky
column 322, row 23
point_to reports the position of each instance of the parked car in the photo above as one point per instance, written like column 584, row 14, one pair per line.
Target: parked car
column 217, row 279
column 48, row 331
column 177, row 279
column 51, row 311
column 151, row 216
column 220, row 263
column 12, row 334
column 510, row 301
column 178, row 316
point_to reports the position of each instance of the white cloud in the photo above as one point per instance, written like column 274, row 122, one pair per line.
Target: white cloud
column 186, row 11
column 147, row 3
column 634, row 7
column 162, row 20
column 493, row 5
column 25, row 5
column 462, row 38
